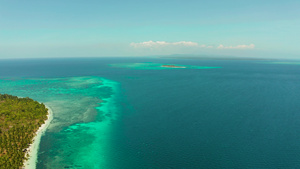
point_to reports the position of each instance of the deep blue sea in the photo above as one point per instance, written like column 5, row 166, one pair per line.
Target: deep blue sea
column 235, row 114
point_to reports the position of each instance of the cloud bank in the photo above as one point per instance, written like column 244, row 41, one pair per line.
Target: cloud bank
column 251, row 46
column 158, row 44
column 162, row 43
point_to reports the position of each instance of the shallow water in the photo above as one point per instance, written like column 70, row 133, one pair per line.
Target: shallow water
column 157, row 66
column 83, row 107
column 245, row 114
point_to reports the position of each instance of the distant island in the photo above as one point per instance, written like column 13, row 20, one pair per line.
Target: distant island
column 158, row 66
column 20, row 121
column 172, row 66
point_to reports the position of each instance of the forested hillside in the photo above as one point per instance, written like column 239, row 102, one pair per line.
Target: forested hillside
column 20, row 118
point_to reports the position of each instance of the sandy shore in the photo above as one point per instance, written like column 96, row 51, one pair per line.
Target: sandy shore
column 33, row 148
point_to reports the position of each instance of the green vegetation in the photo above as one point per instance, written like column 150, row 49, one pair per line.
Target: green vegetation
column 20, row 118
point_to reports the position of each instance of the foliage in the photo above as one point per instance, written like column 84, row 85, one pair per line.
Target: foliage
column 20, row 118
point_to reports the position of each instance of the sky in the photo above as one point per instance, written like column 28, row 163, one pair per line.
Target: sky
column 95, row 28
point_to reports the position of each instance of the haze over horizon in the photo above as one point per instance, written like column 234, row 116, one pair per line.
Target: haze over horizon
column 259, row 29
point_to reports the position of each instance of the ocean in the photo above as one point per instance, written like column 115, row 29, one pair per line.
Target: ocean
column 127, row 113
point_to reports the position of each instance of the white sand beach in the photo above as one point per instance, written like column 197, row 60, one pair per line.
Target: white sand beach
column 33, row 148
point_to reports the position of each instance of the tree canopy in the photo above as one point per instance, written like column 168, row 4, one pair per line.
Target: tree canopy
column 20, row 118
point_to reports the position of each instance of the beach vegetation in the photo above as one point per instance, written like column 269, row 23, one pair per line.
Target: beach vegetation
column 20, row 118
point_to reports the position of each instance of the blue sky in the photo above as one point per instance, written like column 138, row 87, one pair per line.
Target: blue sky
column 77, row 28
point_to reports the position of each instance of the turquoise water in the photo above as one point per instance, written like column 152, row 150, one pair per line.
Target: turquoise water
column 83, row 107
column 245, row 114
column 157, row 66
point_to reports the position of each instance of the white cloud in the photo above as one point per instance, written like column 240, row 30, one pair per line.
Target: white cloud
column 151, row 44
column 158, row 44
column 251, row 46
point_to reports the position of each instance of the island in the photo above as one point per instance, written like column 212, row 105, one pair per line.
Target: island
column 172, row 66
column 158, row 66
column 20, row 121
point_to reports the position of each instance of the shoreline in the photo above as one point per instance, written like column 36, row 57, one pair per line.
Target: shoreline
column 32, row 150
